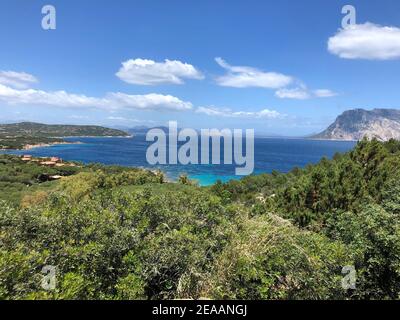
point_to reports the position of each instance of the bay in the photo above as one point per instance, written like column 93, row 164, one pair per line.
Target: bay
column 279, row 154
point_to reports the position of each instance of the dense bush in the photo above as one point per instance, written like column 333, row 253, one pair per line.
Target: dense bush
column 269, row 258
column 121, row 233
column 114, row 244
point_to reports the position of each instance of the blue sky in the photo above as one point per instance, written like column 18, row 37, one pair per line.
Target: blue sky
column 276, row 72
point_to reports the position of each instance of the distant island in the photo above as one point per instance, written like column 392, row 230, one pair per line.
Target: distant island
column 26, row 135
column 382, row 124
column 142, row 130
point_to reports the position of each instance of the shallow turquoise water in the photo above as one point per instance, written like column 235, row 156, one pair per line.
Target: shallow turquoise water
column 270, row 154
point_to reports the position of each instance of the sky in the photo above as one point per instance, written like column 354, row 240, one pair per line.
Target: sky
column 281, row 67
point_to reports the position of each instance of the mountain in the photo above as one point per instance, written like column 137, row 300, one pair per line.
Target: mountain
column 144, row 129
column 24, row 134
column 383, row 124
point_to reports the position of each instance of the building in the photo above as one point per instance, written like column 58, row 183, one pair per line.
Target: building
column 26, row 157
column 54, row 161
column 48, row 163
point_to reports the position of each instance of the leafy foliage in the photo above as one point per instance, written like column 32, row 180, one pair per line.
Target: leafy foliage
column 122, row 233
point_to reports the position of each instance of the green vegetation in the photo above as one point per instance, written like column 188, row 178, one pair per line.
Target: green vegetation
column 119, row 233
column 19, row 179
column 353, row 200
column 19, row 135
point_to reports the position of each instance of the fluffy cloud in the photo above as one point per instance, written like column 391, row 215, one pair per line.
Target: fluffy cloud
column 149, row 101
column 19, row 80
column 302, row 93
column 243, row 77
column 324, row 93
column 149, row 72
column 366, row 41
column 226, row 112
column 112, row 101
column 296, row 93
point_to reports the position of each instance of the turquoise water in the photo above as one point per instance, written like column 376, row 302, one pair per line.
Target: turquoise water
column 270, row 154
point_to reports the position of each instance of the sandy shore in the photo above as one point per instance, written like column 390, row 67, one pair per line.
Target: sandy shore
column 69, row 137
column 40, row 145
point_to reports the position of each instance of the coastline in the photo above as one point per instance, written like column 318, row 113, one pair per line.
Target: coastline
column 40, row 145
column 49, row 144
column 272, row 156
column 326, row 139
column 69, row 137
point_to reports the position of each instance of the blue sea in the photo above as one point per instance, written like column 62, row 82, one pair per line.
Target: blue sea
column 270, row 154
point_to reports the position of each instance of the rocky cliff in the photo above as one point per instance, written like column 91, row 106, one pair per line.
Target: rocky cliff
column 383, row 124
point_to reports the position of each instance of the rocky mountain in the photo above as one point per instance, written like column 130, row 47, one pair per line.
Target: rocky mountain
column 383, row 124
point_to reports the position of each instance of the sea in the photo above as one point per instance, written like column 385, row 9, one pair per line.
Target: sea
column 270, row 154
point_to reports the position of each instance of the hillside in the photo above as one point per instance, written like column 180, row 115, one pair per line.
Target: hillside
column 19, row 135
column 51, row 131
column 127, row 234
column 24, row 181
column 382, row 124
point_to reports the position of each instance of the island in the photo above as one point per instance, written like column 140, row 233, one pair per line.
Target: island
column 26, row 135
column 381, row 124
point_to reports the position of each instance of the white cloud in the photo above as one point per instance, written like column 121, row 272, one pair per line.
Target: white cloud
column 243, row 77
column 324, row 93
column 149, row 101
column 226, row 112
column 296, row 93
column 112, row 101
column 19, row 80
column 302, row 93
column 149, row 72
column 118, row 118
column 366, row 41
